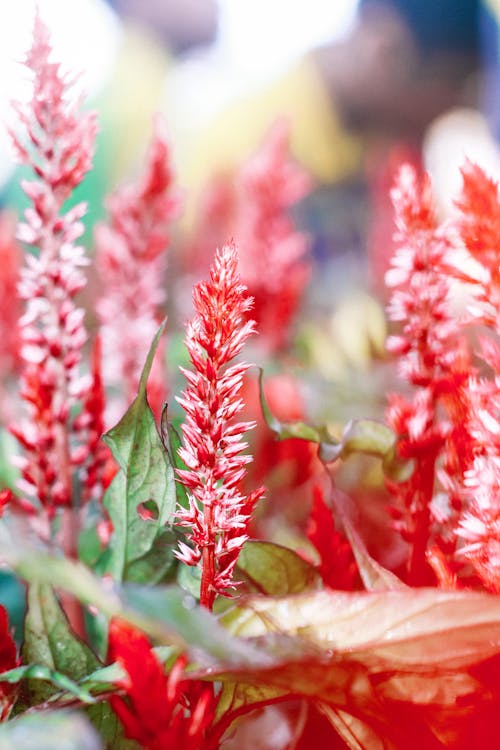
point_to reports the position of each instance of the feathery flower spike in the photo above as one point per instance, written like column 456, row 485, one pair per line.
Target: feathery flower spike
column 131, row 261
column 479, row 266
column 218, row 513
column 432, row 358
column 252, row 206
column 58, row 145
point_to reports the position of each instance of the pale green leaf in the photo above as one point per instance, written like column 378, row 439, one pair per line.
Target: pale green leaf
column 145, row 482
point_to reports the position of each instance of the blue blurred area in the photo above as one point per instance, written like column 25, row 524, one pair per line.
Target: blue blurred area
column 12, row 597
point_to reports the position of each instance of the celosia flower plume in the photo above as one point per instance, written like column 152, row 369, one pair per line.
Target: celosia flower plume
column 218, row 513
column 253, row 206
column 432, row 358
column 57, row 144
column 449, row 510
column 479, row 267
column 131, row 261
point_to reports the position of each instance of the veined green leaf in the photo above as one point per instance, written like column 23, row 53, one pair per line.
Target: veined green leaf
column 141, row 499
column 271, row 569
column 49, row 642
column 110, row 728
column 166, row 613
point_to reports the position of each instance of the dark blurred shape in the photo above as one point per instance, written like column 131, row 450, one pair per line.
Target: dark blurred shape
column 405, row 62
column 438, row 25
column 489, row 31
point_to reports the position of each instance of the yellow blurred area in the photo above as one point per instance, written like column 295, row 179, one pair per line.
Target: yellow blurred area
column 318, row 139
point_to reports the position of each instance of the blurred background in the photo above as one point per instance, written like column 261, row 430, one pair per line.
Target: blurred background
column 363, row 84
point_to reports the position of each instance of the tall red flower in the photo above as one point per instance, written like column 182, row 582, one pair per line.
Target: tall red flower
column 432, row 358
column 253, row 206
column 479, row 267
column 479, row 227
column 10, row 258
column 8, row 660
column 160, row 711
column 131, row 258
column 450, row 427
column 57, row 143
column 218, row 513
column 272, row 250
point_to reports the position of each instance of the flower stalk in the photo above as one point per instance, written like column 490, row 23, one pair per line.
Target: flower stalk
column 58, row 145
column 218, row 513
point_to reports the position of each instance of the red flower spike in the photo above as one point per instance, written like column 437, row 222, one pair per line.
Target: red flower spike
column 8, row 660
column 57, row 145
column 160, row 710
column 131, row 261
column 337, row 567
column 91, row 421
column 218, row 513
column 476, row 427
column 272, row 261
column 252, row 206
column 479, row 227
column 10, row 307
column 434, row 359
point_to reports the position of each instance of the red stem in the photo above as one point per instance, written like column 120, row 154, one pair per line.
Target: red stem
column 207, row 591
column 419, row 571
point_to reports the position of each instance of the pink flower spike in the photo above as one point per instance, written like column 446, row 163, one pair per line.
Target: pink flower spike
column 131, row 255
column 56, row 141
column 218, row 514
column 434, row 359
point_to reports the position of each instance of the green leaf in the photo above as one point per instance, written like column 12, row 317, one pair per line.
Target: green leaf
column 286, row 430
column 170, row 608
column 166, row 613
column 145, row 483
column 189, row 578
column 172, row 441
column 372, row 438
column 54, row 730
column 50, row 643
column 159, row 564
column 110, row 728
column 275, row 570
column 42, row 672
column 367, row 436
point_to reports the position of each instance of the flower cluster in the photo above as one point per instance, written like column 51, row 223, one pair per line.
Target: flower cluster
column 479, row 268
column 131, row 262
column 450, row 426
column 253, row 208
column 218, row 514
column 58, row 148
